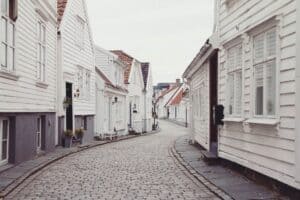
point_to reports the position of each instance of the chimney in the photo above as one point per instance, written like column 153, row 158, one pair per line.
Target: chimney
column 178, row 82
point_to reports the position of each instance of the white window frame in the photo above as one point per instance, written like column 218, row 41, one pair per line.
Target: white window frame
column 275, row 58
column 83, row 83
column 5, row 161
column 41, row 47
column 234, row 72
column 10, row 68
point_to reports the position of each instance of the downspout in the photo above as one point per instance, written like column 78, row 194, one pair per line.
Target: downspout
column 297, row 119
column 145, row 110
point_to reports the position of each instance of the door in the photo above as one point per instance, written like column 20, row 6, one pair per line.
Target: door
column 213, row 102
column 69, row 109
column 4, row 140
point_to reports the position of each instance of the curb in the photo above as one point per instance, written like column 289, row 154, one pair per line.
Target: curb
column 210, row 186
column 16, row 183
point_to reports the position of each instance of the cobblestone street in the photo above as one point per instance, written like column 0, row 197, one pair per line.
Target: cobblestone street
column 140, row 168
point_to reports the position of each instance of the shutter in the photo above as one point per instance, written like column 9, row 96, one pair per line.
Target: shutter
column 271, row 87
column 271, row 42
column 259, row 48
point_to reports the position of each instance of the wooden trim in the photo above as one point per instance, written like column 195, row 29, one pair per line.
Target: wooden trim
column 297, row 130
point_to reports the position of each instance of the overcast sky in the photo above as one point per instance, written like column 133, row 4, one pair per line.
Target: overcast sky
column 166, row 33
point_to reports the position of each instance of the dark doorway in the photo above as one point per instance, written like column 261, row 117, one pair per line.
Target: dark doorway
column 69, row 109
column 213, row 76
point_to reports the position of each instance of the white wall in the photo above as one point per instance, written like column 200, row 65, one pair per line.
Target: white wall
column 73, row 56
column 22, row 94
column 267, row 149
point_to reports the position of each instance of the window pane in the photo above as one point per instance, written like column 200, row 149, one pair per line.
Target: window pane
column 10, row 58
column 238, row 93
column 10, row 35
column 259, row 85
column 4, row 150
column 231, row 93
column 4, row 4
column 3, row 55
column 5, row 130
column 239, row 56
column 259, row 48
column 231, row 59
column 3, row 30
column 271, row 87
column 271, row 42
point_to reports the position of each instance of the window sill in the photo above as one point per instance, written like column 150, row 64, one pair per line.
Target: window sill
column 263, row 121
column 9, row 75
column 234, row 119
column 41, row 84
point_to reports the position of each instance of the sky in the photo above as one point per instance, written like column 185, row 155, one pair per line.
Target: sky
column 166, row 33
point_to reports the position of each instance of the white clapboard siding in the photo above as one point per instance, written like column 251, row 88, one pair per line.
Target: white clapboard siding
column 23, row 95
column 270, row 150
column 201, row 123
column 73, row 56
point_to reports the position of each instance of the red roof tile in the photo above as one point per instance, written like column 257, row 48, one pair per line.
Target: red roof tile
column 127, row 60
column 177, row 99
column 145, row 71
column 61, row 7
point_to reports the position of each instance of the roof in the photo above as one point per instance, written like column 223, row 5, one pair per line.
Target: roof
column 177, row 98
column 61, row 7
column 108, row 83
column 145, row 72
column 127, row 60
column 165, row 92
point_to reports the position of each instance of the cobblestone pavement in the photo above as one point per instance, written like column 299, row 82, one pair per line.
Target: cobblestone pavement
column 140, row 168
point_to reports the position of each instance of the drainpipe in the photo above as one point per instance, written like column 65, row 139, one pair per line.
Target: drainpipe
column 297, row 127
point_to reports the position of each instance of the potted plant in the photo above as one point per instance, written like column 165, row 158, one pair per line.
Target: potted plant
column 79, row 134
column 68, row 138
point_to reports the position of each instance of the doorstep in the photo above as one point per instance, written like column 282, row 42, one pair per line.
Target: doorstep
column 11, row 176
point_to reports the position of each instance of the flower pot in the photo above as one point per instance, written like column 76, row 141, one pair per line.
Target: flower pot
column 68, row 142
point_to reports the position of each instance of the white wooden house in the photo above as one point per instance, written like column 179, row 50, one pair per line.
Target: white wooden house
column 133, row 78
column 27, row 79
column 178, row 106
column 148, row 96
column 257, row 83
column 111, row 94
column 76, row 69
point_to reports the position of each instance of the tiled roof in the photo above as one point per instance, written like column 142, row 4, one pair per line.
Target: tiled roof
column 177, row 98
column 145, row 71
column 108, row 83
column 61, row 7
column 165, row 92
column 127, row 60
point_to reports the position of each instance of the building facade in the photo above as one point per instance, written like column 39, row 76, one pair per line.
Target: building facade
column 148, row 96
column 76, row 70
column 27, row 79
column 111, row 94
column 257, row 81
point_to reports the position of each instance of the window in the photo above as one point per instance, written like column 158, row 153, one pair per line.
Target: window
column 234, row 79
column 80, row 32
column 4, row 140
column 41, row 51
column 83, row 83
column 39, row 134
column 201, row 100
column 7, row 29
column 264, row 59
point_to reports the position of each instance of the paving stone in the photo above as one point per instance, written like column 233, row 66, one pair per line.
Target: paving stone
column 140, row 168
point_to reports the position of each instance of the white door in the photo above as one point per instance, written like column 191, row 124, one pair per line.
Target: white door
column 39, row 134
column 4, row 140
